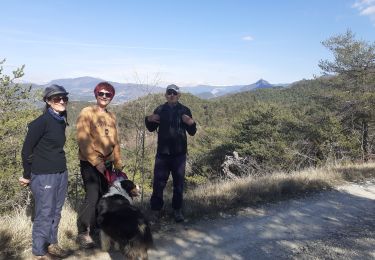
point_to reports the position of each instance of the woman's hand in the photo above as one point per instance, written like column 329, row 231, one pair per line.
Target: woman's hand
column 24, row 182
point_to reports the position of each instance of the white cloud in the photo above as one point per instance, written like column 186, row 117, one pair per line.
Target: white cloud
column 247, row 38
column 363, row 3
column 366, row 8
column 368, row 11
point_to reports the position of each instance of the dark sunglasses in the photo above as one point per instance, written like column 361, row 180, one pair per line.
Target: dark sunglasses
column 58, row 99
column 105, row 94
column 171, row 92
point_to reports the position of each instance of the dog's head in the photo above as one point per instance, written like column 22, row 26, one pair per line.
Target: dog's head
column 130, row 188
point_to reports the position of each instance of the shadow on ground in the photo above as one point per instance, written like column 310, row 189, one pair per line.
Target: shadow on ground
column 328, row 225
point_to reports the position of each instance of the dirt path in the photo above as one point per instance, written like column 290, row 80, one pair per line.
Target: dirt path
column 338, row 224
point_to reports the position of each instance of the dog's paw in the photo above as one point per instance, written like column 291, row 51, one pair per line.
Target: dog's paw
column 105, row 241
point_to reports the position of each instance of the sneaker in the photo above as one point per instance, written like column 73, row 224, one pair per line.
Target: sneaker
column 43, row 257
column 85, row 240
column 178, row 217
column 56, row 250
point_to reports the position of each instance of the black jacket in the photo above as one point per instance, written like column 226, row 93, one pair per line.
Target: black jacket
column 172, row 130
column 42, row 151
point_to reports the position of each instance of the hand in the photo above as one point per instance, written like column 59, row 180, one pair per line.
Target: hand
column 117, row 169
column 187, row 120
column 24, row 182
column 100, row 167
column 154, row 118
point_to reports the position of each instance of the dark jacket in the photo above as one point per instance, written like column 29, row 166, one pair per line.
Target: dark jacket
column 42, row 151
column 172, row 130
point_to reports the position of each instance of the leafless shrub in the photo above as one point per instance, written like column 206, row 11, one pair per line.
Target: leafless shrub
column 235, row 166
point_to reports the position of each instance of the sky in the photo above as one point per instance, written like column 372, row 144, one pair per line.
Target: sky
column 186, row 42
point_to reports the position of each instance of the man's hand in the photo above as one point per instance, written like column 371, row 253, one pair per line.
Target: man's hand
column 155, row 118
column 101, row 167
column 24, row 182
column 187, row 120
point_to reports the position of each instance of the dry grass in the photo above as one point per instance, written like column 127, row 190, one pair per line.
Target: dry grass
column 208, row 199
column 68, row 228
column 225, row 196
column 15, row 233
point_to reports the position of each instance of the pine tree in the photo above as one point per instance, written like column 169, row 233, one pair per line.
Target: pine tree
column 354, row 70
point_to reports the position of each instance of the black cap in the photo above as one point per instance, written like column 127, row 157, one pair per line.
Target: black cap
column 54, row 90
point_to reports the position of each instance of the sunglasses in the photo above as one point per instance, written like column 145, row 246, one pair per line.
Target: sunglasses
column 105, row 94
column 58, row 99
column 171, row 92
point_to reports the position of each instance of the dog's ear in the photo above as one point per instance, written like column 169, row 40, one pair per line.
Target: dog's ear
column 127, row 185
column 135, row 191
column 130, row 187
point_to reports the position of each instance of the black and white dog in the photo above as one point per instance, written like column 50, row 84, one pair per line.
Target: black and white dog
column 123, row 223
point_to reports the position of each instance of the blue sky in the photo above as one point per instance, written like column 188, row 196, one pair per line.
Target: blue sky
column 215, row 42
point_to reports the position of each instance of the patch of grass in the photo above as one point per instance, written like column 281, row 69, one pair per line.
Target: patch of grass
column 15, row 235
column 16, row 228
column 210, row 199
column 68, row 228
column 356, row 173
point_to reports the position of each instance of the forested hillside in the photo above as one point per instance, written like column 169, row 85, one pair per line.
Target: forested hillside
column 311, row 123
column 278, row 128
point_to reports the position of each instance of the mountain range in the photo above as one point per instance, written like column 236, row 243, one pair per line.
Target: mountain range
column 204, row 91
column 82, row 89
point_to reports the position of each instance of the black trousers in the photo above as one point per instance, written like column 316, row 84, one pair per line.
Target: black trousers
column 164, row 165
column 95, row 186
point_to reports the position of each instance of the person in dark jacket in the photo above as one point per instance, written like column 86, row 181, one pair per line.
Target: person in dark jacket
column 172, row 120
column 45, row 170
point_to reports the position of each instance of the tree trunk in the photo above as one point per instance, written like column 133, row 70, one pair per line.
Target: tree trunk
column 365, row 138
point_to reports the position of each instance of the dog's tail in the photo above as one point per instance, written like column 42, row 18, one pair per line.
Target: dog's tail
column 145, row 230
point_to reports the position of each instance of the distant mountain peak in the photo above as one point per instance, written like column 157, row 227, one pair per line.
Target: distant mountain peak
column 262, row 84
column 262, row 81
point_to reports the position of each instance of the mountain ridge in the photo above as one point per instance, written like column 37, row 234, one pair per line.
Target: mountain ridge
column 83, row 87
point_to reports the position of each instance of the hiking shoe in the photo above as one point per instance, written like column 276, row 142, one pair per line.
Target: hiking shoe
column 43, row 257
column 56, row 250
column 85, row 240
column 178, row 217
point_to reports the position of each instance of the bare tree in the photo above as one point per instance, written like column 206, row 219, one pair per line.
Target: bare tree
column 134, row 118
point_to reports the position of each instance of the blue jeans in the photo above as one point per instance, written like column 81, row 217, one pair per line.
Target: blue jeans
column 164, row 165
column 49, row 191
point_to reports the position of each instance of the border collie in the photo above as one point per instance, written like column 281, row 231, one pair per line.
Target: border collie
column 123, row 223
